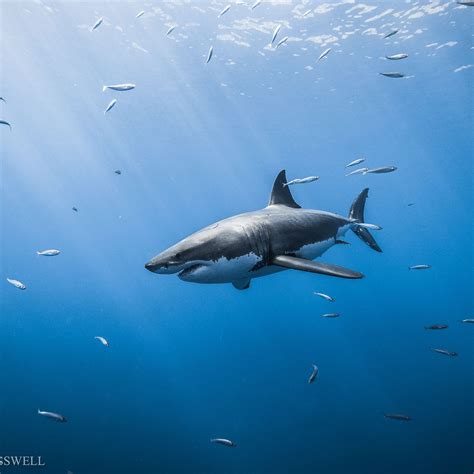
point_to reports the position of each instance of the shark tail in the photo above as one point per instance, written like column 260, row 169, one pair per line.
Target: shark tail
column 357, row 214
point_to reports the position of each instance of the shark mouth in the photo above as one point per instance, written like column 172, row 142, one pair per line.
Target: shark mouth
column 187, row 272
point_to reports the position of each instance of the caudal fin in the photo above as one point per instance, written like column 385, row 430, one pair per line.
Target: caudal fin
column 357, row 213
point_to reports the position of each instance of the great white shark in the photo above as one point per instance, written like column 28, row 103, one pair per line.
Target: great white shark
column 254, row 244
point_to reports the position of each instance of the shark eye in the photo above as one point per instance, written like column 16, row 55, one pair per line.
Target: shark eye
column 177, row 256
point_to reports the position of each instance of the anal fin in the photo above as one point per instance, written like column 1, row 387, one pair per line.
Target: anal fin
column 305, row 265
column 241, row 284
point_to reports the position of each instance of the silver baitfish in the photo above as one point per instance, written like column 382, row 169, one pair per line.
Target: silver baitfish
column 16, row 283
column 358, row 171
column 49, row 252
column 324, row 296
column 256, row 4
column 381, row 170
column 437, row 326
column 324, row 54
column 53, row 416
column 314, row 374
column 393, row 75
column 102, row 340
column 224, row 11
column 224, row 442
column 419, row 267
column 445, row 352
column 209, row 54
column 111, row 104
column 397, row 57
column 308, row 179
column 275, row 33
column 170, row 30
column 97, row 24
column 355, row 162
column 397, row 416
column 119, row 87
column 388, row 35
column 282, row 41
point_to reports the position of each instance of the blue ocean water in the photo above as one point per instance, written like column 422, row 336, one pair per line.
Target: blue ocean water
column 199, row 142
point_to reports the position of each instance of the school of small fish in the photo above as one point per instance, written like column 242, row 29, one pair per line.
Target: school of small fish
column 121, row 87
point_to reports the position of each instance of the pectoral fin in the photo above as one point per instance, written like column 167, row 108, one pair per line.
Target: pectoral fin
column 241, row 284
column 304, row 265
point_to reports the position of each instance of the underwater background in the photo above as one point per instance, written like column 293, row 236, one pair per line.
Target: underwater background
column 199, row 142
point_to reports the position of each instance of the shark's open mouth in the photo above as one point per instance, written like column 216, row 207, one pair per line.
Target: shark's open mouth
column 187, row 272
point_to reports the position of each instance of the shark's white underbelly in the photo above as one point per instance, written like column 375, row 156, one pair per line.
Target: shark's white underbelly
column 241, row 268
column 224, row 270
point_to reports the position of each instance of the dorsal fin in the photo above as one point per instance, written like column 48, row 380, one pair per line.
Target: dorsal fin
column 281, row 194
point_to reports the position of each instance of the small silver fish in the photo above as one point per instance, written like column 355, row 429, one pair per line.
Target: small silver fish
column 397, row 57
column 388, row 35
column 103, row 340
column 366, row 225
column 330, row 315
column 275, row 33
column 118, row 172
column 16, row 283
column 437, row 326
column 53, row 416
column 75, row 209
column 256, row 4
column 419, row 267
column 4, row 122
column 139, row 14
column 49, row 252
column 324, row 296
column 282, row 41
column 314, row 374
column 111, row 104
column 393, row 75
column 306, row 13
column 383, row 169
column 308, row 179
column 397, row 416
column 465, row 3
column 224, row 442
column 445, row 352
column 170, row 30
column 97, row 24
column 358, row 171
column 1, row 98
column 468, row 320
column 324, row 54
column 119, row 87
column 223, row 12
column 209, row 54
column 355, row 162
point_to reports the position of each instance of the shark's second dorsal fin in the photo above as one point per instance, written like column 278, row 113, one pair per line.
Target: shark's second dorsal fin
column 281, row 194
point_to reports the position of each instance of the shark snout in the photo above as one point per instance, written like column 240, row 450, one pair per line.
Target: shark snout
column 151, row 267
column 163, row 264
